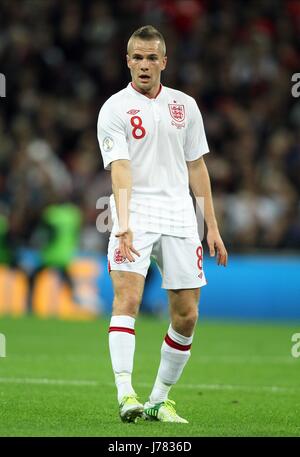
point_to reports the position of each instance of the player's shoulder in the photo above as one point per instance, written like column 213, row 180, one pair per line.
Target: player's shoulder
column 178, row 94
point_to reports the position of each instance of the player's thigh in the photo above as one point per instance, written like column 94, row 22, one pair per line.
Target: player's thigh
column 128, row 286
column 129, row 277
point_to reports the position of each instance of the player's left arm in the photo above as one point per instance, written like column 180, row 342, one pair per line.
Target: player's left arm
column 199, row 182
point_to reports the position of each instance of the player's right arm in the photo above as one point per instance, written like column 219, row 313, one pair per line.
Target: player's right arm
column 115, row 154
column 121, row 185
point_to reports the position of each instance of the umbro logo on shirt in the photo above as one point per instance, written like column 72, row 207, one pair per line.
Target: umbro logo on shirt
column 133, row 111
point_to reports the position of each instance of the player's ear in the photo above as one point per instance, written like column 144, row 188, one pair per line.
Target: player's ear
column 164, row 63
column 128, row 60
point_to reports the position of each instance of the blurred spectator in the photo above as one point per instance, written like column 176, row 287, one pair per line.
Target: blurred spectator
column 57, row 237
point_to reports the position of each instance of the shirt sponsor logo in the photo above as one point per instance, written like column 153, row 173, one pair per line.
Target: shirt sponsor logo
column 108, row 143
column 133, row 111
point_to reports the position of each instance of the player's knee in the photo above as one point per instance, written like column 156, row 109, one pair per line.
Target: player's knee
column 185, row 322
column 190, row 320
column 127, row 305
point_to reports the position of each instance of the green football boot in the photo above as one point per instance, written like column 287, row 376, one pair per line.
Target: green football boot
column 163, row 412
column 130, row 408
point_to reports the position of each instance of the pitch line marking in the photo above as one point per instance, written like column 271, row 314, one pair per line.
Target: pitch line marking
column 92, row 383
column 202, row 358
column 47, row 381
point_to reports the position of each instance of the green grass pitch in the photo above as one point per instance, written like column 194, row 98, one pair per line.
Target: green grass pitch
column 56, row 380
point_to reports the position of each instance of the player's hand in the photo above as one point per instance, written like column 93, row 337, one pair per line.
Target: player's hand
column 215, row 243
column 125, row 245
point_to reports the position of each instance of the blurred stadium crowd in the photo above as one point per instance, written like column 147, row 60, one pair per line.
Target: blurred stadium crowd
column 63, row 58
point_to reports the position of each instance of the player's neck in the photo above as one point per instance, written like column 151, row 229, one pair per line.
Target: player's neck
column 152, row 94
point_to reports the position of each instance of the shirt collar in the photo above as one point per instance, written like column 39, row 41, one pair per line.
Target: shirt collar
column 139, row 94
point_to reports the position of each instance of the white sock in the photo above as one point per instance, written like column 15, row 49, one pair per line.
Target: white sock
column 175, row 352
column 122, row 346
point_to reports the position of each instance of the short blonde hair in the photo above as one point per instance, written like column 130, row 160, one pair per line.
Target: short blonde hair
column 147, row 33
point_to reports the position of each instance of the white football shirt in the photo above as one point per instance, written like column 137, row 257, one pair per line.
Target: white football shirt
column 158, row 135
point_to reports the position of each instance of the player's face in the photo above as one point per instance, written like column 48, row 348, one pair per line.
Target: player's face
column 146, row 61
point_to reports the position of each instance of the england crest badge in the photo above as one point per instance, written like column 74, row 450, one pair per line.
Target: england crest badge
column 177, row 112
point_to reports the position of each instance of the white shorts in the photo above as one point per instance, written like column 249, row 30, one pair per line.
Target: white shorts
column 180, row 260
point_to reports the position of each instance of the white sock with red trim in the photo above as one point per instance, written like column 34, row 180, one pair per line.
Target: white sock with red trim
column 175, row 352
column 122, row 346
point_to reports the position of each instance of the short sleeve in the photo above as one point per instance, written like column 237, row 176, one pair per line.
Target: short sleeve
column 195, row 144
column 111, row 135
